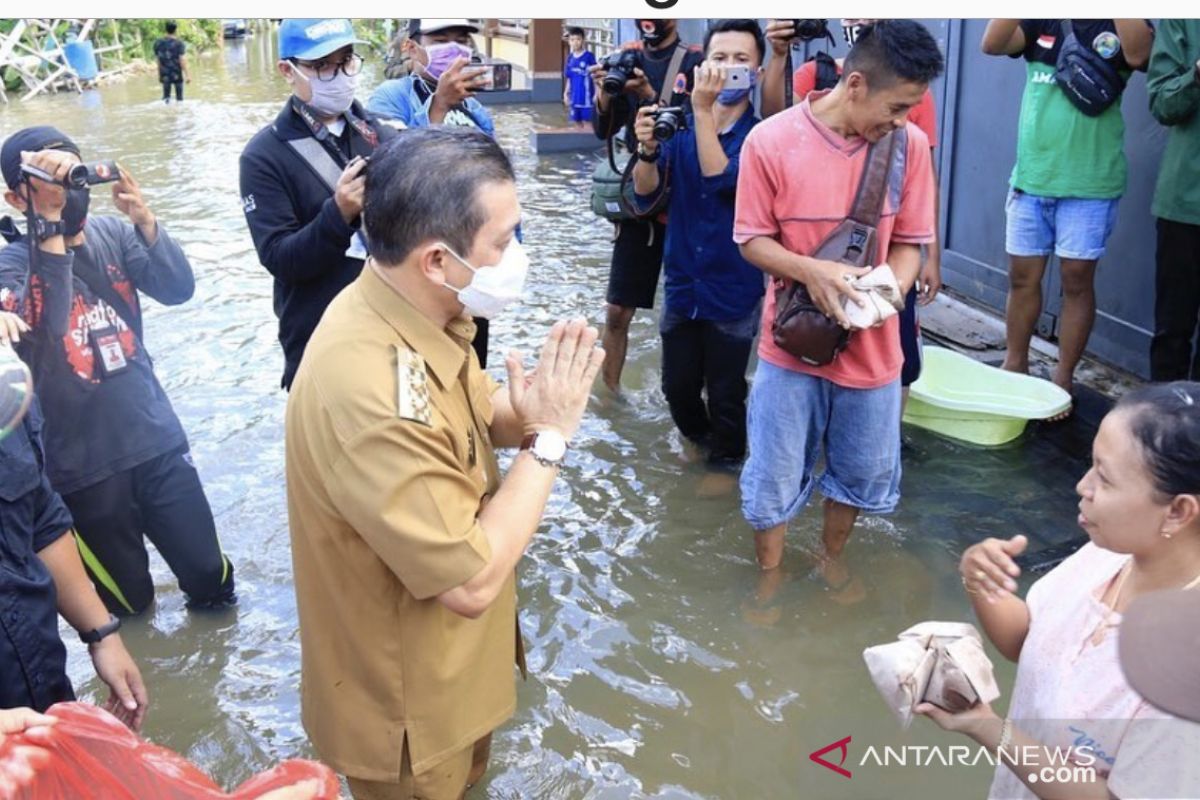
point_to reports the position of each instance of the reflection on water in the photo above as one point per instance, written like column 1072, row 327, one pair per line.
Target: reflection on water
column 654, row 669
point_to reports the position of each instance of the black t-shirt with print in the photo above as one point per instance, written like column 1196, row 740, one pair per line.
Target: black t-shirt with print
column 168, row 51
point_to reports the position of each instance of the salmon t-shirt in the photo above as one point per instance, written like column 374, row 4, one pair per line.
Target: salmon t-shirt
column 923, row 114
column 796, row 183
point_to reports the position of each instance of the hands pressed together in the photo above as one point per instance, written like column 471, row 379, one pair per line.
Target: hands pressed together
column 554, row 396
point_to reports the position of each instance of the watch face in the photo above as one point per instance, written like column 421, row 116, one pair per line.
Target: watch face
column 550, row 446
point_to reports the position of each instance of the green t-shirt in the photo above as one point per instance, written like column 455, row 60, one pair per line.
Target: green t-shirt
column 1174, row 90
column 1062, row 152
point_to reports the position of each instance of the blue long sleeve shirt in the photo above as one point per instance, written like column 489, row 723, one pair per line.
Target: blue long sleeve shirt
column 705, row 274
column 403, row 99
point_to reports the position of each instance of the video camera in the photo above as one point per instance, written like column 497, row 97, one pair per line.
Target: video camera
column 80, row 176
column 669, row 121
column 619, row 66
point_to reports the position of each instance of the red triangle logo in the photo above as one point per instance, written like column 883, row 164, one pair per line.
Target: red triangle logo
column 838, row 745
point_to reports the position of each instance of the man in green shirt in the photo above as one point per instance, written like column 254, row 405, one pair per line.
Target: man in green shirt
column 1067, row 180
column 1173, row 83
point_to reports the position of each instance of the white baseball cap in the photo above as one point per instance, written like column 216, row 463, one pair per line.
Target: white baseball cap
column 434, row 25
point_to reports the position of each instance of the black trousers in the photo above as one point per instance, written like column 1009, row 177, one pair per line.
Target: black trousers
column 163, row 500
column 167, row 91
column 704, row 359
column 1176, row 303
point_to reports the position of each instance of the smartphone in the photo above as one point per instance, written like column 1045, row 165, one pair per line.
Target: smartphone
column 737, row 76
column 496, row 76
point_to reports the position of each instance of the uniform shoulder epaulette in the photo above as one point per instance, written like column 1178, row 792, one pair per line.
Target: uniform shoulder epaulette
column 412, row 387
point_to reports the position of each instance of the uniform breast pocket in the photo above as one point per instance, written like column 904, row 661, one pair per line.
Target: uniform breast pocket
column 20, row 474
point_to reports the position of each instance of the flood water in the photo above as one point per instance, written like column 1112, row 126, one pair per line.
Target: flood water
column 653, row 669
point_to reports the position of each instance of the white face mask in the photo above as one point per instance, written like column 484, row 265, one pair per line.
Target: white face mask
column 492, row 289
column 330, row 98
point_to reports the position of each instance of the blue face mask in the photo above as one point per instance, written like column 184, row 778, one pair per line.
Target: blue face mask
column 731, row 97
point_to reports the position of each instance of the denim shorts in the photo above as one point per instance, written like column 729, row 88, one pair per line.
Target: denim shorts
column 792, row 418
column 1071, row 227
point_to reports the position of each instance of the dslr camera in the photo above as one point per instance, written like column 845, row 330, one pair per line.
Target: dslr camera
column 80, row 176
column 669, row 121
column 619, row 66
column 806, row 30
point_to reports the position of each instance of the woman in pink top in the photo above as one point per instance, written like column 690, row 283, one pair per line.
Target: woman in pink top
column 1140, row 505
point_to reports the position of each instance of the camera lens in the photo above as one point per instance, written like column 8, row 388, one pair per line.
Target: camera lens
column 614, row 81
column 77, row 177
column 665, row 126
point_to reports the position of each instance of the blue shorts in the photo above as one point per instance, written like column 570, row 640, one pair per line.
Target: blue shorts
column 1070, row 227
column 792, row 418
column 580, row 114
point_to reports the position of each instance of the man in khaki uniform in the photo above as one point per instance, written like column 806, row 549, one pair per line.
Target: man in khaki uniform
column 405, row 538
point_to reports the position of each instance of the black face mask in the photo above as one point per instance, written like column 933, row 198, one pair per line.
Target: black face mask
column 75, row 212
column 654, row 36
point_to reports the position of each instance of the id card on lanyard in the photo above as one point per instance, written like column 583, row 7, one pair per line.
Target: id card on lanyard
column 107, row 353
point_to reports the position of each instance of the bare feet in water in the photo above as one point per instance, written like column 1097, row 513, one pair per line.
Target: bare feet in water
column 843, row 588
column 716, row 484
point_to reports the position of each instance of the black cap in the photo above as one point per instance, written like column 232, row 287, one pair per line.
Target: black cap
column 31, row 140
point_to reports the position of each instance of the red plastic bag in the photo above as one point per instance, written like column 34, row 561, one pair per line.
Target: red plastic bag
column 93, row 755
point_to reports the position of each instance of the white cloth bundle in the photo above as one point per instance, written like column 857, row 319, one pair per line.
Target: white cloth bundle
column 884, row 298
column 935, row 662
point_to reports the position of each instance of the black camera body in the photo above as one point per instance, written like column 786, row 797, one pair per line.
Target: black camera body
column 669, row 121
column 90, row 174
column 619, row 66
column 80, row 176
column 806, row 30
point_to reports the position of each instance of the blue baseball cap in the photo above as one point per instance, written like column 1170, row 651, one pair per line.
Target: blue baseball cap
column 310, row 39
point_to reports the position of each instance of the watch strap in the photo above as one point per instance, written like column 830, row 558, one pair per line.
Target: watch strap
column 44, row 229
column 97, row 634
column 527, row 444
column 642, row 155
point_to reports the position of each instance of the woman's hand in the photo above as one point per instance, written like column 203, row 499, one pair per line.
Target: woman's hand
column 977, row 722
column 988, row 568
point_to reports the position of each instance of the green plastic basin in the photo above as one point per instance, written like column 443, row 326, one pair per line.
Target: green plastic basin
column 965, row 399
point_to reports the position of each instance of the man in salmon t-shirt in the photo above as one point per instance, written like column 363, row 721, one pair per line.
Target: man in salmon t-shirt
column 800, row 170
column 822, row 72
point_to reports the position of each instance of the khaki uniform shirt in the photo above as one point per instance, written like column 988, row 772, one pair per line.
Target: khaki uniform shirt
column 388, row 464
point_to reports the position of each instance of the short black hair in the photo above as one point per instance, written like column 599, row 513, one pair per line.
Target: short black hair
column 575, row 30
column 893, row 50
column 423, row 185
column 171, row 26
column 749, row 26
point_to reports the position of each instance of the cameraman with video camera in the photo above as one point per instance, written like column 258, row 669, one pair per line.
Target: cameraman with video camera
column 658, row 68
column 115, row 450
column 712, row 292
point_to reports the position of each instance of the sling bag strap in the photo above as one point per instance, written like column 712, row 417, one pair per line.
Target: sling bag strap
column 318, row 159
column 873, row 186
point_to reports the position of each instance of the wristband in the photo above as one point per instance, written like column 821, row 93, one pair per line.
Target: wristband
column 96, row 635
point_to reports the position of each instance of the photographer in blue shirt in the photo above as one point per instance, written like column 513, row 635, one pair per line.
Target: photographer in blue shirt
column 713, row 295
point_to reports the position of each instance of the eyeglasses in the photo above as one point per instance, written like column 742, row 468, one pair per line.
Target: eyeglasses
column 350, row 66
